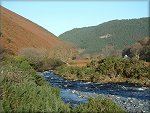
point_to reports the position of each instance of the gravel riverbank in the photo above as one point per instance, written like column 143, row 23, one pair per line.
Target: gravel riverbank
column 131, row 105
column 132, row 98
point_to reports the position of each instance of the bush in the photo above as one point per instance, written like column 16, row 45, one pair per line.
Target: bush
column 106, row 69
column 77, row 72
column 39, row 59
column 50, row 63
column 21, row 90
column 99, row 105
column 114, row 66
column 1, row 53
column 34, row 56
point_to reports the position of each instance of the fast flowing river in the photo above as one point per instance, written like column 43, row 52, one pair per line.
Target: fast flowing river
column 134, row 99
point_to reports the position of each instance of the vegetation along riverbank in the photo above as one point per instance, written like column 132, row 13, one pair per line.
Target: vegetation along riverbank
column 22, row 90
column 110, row 69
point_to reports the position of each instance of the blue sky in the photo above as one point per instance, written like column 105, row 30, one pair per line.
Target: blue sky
column 60, row 16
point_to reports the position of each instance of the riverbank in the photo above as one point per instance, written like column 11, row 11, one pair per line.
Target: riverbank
column 109, row 70
column 131, row 105
column 132, row 98
column 23, row 90
column 104, row 80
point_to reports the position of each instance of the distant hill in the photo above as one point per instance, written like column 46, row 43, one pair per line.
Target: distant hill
column 17, row 33
column 118, row 33
column 140, row 49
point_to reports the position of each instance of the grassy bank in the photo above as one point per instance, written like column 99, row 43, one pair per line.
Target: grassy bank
column 22, row 90
column 111, row 69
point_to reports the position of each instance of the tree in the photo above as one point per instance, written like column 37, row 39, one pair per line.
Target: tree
column 43, row 59
column 61, row 53
column 109, row 50
column 34, row 56
column 140, row 50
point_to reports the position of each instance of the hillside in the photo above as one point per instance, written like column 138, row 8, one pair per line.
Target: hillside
column 18, row 33
column 118, row 33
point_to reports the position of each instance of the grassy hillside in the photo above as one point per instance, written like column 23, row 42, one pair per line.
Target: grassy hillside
column 119, row 33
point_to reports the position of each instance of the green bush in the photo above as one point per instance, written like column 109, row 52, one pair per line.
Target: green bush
column 79, row 72
column 22, row 90
column 29, row 97
column 114, row 66
column 107, row 68
column 99, row 105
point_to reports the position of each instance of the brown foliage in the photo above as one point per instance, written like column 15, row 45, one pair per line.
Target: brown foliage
column 110, row 50
column 140, row 49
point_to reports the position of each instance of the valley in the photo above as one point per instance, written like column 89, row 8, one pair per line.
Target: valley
column 100, row 69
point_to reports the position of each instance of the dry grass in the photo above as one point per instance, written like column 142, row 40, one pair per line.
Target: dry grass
column 79, row 62
column 19, row 33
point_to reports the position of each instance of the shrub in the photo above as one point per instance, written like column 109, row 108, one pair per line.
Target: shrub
column 99, row 105
column 1, row 34
column 34, row 56
column 21, row 90
column 114, row 66
column 1, row 53
column 107, row 68
column 9, row 40
column 50, row 63
column 39, row 59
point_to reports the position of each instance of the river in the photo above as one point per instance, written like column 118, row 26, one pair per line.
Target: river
column 132, row 98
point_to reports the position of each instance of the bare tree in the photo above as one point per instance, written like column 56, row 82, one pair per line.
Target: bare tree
column 109, row 50
column 135, row 50
column 33, row 55
column 61, row 53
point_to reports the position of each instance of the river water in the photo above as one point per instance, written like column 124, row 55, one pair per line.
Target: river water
column 132, row 98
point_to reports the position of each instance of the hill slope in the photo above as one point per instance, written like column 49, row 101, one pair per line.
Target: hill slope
column 18, row 33
column 119, row 33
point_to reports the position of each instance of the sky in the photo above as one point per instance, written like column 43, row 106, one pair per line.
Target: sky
column 60, row 16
